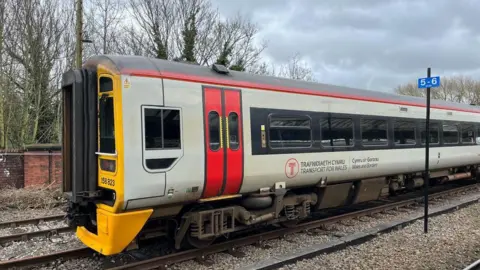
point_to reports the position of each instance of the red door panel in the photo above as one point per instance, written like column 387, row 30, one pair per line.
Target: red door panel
column 234, row 142
column 214, row 146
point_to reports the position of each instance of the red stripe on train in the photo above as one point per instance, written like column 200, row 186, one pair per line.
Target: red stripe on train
column 243, row 84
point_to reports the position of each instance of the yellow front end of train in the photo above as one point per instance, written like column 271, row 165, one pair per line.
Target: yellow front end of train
column 93, row 160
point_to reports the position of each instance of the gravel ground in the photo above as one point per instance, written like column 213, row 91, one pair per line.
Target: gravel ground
column 452, row 243
column 252, row 254
column 15, row 214
column 39, row 246
column 32, row 228
column 299, row 241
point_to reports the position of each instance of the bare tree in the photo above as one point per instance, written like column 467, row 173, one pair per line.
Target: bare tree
column 103, row 20
column 2, row 76
column 157, row 19
column 460, row 89
column 236, row 48
column 33, row 36
column 172, row 26
column 295, row 68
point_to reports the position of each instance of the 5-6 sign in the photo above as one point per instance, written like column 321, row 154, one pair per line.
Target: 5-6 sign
column 429, row 82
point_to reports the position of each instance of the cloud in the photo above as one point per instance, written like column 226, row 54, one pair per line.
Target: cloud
column 373, row 44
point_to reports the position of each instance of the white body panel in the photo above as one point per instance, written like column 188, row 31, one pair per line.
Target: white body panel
column 145, row 189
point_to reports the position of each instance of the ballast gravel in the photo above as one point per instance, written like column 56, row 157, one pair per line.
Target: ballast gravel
column 389, row 254
column 300, row 241
column 39, row 246
column 15, row 214
column 452, row 243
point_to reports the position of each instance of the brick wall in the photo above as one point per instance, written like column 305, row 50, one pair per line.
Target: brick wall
column 37, row 165
column 42, row 168
column 11, row 168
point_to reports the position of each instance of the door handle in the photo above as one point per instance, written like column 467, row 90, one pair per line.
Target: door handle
column 221, row 132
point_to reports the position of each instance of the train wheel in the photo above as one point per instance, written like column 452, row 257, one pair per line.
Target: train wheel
column 191, row 236
column 291, row 212
column 199, row 243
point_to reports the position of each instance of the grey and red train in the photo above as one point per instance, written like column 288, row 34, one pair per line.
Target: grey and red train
column 155, row 147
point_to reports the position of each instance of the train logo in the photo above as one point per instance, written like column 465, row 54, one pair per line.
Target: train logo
column 292, row 167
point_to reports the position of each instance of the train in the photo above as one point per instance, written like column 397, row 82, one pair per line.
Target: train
column 158, row 148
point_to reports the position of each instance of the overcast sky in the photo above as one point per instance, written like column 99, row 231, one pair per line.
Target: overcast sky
column 371, row 44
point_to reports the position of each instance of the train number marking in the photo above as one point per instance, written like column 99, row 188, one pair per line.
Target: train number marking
column 107, row 181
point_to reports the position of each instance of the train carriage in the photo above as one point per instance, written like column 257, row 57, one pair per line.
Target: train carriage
column 155, row 147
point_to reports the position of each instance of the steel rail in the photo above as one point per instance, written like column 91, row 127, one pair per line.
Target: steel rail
column 35, row 221
column 474, row 265
column 32, row 261
column 230, row 246
column 29, row 235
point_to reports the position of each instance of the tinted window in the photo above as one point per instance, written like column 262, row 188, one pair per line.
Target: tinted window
column 374, row 132
column 106, row 84
column 287, row 132
column 107, row 128
column 450, row 133
column 477, row 136
column 159, row 163
column 162, row 129
column 214, row 130
column 404, row 132
column 233, row 131
column 171, row 129
column 434, row 133
column 337, row 132
column 468, row 134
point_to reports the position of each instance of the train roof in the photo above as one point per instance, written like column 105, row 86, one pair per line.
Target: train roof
column 153, row 67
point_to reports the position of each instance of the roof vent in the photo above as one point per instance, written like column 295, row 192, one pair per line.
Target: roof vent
column 220, row 69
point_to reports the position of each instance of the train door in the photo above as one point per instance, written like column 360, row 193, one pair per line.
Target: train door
column 223, row 141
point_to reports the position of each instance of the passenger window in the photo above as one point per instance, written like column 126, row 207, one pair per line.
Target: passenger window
column 404, row 132
column 336, row 132
column 468, row 134
column 434, row 133
column 374, row 132
column 233, row 131
column 477, row 136
column 107, row 126
column 290, row 132
column 214, row 130
column 450, row 134
column 106, row 84
column 162, row 129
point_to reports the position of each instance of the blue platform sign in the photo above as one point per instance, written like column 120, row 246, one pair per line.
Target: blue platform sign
column 429, row 82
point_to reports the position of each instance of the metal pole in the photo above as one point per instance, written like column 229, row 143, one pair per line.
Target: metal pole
column 427, row 148
column 79, row 27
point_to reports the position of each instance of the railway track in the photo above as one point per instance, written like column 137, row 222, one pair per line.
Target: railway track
column 231, row 246
column 32, row 221
column 24, row 236
column 28, row 235
column 37, row 260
